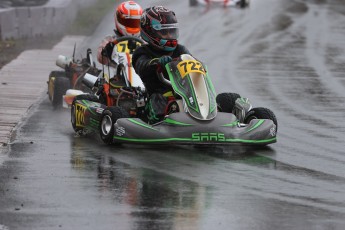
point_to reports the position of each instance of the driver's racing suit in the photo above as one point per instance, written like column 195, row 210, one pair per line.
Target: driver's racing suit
column 104, row 59
column 157, row 90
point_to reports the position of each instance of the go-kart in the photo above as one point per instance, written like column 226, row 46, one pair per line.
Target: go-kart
column 71, row 76
column 194, row 116
column 118, row 73
column 225, row 3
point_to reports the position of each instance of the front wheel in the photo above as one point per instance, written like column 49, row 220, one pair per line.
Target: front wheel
column 109, row 117
column 261, row 113
column 226, row 101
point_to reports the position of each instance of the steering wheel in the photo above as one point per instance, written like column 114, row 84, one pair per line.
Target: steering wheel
column 132, row 42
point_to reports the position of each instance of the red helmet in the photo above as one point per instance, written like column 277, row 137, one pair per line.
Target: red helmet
column 127, row 18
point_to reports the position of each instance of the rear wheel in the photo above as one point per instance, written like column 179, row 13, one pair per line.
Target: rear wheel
column 226, row 101
column 109, row 117
column 261, row 113
column 52, row 76
column 58, row 84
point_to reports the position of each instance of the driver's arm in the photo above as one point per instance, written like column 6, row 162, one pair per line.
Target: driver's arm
column 142, row 63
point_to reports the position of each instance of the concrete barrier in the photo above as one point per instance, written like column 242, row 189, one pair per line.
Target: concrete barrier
column 50, row 19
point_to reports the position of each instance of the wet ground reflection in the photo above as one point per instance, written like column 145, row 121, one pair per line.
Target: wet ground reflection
column 158, row 200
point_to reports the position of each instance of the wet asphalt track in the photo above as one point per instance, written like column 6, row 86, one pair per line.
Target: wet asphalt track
column 284, row 55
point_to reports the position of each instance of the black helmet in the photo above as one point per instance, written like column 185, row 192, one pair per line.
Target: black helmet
column 159, row 27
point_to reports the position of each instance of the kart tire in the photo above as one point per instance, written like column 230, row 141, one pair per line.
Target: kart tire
column 58, row 84
column 51, row 79
column 260, row 113
column 193, row 2
column 108, row 119
column 54, row 86
column 88, row 97
column 226, row 101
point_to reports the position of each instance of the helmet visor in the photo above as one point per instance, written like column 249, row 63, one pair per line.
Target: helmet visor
column 132, row 22
column 169, row 34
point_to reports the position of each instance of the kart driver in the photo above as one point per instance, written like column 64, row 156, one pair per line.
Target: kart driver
column 159, row 28
column 127, row 23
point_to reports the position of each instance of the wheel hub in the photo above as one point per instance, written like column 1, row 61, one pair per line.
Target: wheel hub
column 106, row 124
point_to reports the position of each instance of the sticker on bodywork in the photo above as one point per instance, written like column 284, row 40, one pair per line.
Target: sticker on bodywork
column 79, row 115
column 190, row 66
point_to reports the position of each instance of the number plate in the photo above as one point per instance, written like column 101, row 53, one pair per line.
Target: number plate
column 190, row 66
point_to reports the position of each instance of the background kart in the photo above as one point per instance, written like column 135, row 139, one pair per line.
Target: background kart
column 239, row 3
column 71, row 76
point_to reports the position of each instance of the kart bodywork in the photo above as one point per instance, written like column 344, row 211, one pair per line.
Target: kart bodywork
column 179, row 128
column 198, row 121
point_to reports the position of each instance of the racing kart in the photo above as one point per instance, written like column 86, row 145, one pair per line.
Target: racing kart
column 195, row 115
column 114, row 77
column 71, row 76
column 225, row 3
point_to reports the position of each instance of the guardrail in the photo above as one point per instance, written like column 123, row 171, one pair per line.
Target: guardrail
column 49, row 19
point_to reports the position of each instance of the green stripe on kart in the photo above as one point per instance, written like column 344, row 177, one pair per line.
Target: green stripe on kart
column 231, row 124
column 259, row 123
column 87, row 103
column 251, row 141
column 193, row 140
column 141, row 124
column 173, row 122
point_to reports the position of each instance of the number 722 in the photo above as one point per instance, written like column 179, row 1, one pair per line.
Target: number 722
column 186, row 67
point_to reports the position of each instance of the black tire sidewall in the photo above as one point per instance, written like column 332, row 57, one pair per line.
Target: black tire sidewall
column 261, row 113
column 52, row 77
column 226, row 101
column 61, row 85
column 114, row 112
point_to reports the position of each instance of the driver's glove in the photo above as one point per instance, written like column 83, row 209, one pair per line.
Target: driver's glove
column 160, row 62
column 164, row 60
